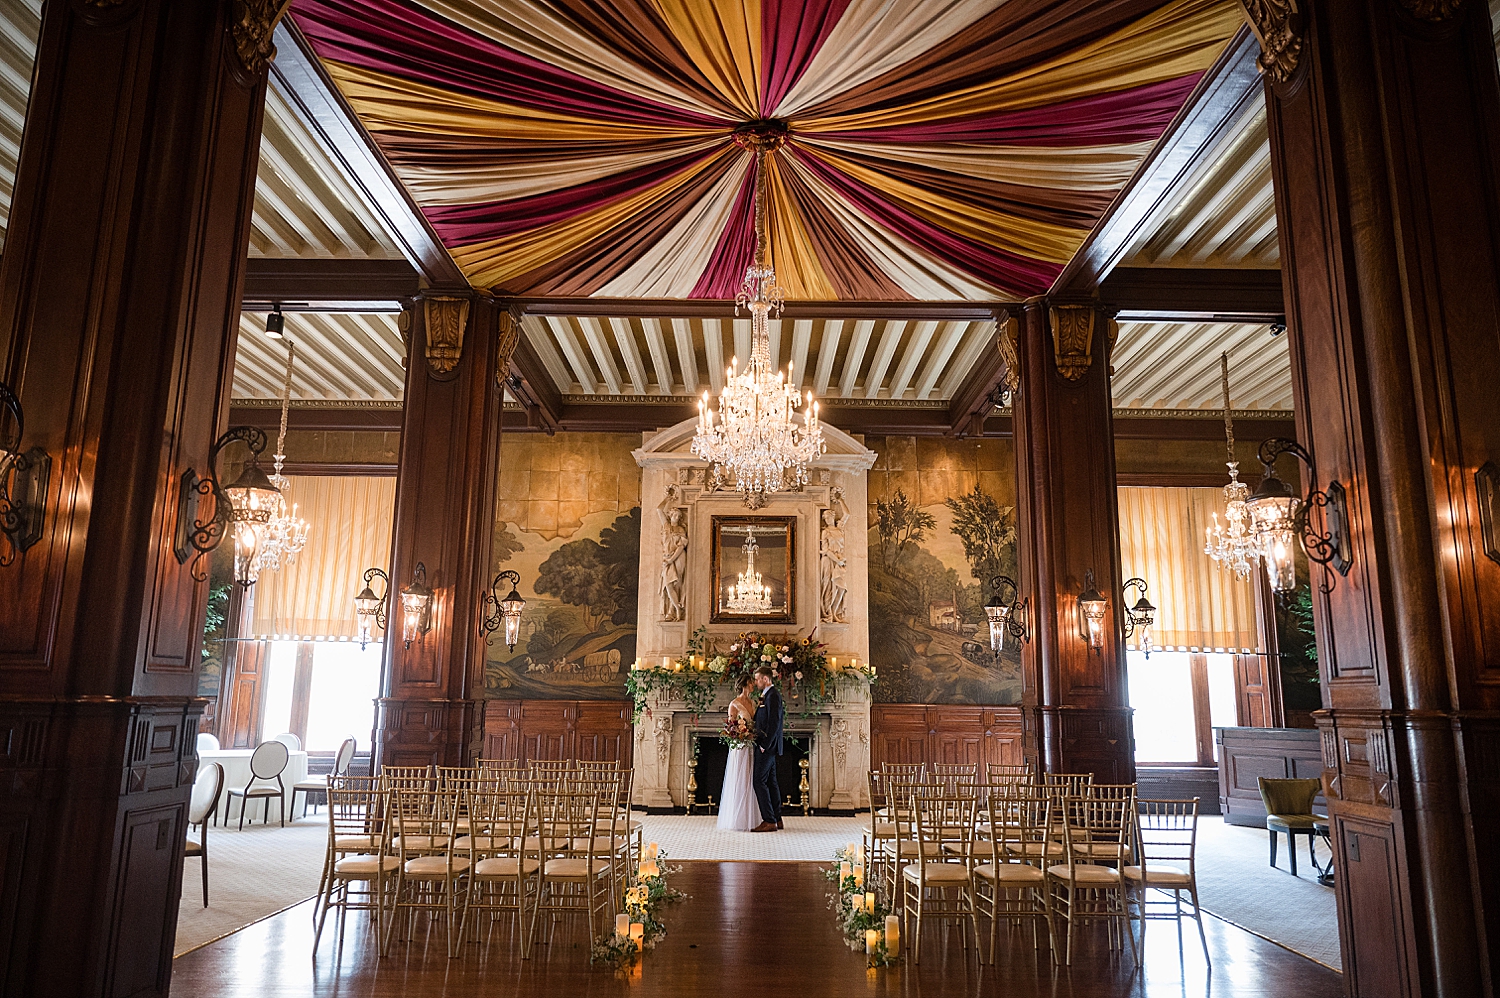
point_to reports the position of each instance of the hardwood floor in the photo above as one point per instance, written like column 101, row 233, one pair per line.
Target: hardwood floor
column 744, row 922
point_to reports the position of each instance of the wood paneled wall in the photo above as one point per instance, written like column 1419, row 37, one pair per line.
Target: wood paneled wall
column 938, row 733
column 558, row 729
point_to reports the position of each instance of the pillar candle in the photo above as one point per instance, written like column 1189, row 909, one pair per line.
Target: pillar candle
column 622, row 925
column 849, row 849
column 872, row 939
column 859, row 875
column 650, row 850
column 638, row 935
column 833, row 664
column 893, row 935
column 845, row 871
column 870, row 902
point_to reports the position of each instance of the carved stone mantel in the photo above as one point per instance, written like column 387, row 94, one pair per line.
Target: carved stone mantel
column 840, row 755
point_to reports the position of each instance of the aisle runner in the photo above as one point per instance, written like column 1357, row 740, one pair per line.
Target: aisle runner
column 251, row 874
column 803, row 839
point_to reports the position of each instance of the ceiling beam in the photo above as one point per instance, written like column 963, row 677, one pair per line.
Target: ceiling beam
column 1230, row 89
column 536, row 391
column 312, row 95
column 268, row 417
column 1170, row 294
column 320, row 285
column 974, row 399
column 668, row 308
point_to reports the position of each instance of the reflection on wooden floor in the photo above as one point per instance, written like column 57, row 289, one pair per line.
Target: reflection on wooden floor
column 747, row 927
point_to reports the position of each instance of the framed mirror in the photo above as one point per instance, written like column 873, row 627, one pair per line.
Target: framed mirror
column 754, row 559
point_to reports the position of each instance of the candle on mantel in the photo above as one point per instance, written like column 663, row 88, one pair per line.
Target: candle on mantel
column 872, row 939
column 892, row 936
column 622, row 925
column 638, row 935
column 833, row 664
column 870, row 902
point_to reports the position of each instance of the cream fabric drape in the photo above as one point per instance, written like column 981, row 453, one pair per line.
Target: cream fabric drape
column 313, row 598
column 1200, row 606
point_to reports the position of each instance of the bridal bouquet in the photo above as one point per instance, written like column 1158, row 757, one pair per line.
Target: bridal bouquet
column 737, row 733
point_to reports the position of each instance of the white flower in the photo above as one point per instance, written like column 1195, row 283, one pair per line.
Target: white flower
column 787, row 659
column 765, row 658
column 799, row 675
column 734, row 647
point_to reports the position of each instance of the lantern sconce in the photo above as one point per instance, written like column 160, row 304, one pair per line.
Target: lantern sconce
column 1091, row 607
column 1279, row 519
column 1142, row 615
column 416, row 606
column 369, row 608
column 508, row 610
column 23, row 483
column 1007, row 616
column 243, row 507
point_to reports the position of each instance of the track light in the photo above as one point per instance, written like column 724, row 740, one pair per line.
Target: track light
column 276, row 323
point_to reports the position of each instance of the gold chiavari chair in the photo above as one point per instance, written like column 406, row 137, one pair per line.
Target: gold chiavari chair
column 575, row 877
column 902, row 846
column 346, row 843
column 431, row 877
column 504, row 876
column 1166, row 836
column 359, row 840
column 611, row 827
column 407, row 776
column 1070, row 784
column 599, row 765
column 938, row 883
column 1001, row 773
column 879, row 839
column 908, row 771
column 1012, row 883
column 1113, row 845
column 550, row 767
column 1096, row 833
column 499, row 767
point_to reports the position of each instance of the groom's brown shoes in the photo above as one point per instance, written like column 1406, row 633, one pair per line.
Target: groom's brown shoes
column 779, row 825
column 765, row 826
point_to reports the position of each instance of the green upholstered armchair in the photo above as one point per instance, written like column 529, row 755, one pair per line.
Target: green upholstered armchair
column 1289, row 809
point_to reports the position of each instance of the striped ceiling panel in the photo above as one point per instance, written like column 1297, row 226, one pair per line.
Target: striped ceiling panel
column 1175, row 365
column 341, row 357
column 956, row 150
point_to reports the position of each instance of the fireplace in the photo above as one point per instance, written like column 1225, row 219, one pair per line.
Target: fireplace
column 706, row 776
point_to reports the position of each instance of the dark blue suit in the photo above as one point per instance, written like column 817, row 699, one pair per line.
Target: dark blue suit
column 768, row 721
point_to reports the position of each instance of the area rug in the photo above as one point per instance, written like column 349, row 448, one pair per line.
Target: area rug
column 812, row 839
column 251, row 874
column 1236, row 883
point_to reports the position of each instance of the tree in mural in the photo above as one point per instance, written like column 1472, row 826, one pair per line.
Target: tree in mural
column 902, row 527
column 506, row 544
column 598, row 576
column 988, row 533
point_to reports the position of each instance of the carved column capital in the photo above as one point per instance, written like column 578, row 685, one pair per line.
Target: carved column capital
column 1073, row 339
column 445, row 318
column 505, row 345
column 1006, row 337
column 252, row 26
column 1432, row 10
column 1278, row 27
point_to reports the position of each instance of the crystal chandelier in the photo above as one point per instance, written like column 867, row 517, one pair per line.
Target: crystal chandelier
column 752, row 440
column 748, row 595
column 1232, row 543
column 286, row 533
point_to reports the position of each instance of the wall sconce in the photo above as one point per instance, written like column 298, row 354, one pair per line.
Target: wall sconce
column 369, row 608
column 1142, row 615
column 1091, row 606
column 508, row 610
column 416, row 606
column 1280, row 519
column 1007, row 616
column 244, row 507
column 23, row 482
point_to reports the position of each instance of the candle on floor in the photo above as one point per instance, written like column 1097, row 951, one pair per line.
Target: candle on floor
column 622, row 925
column 872, row 939
column 870, row 902
column 893, row 936
column 650, row 850
column 850, row 848
column 859, row 875
column 638, row 935
column 846, row 870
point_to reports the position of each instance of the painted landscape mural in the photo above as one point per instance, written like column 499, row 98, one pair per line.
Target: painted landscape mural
column 942, row 524
column 569, row 521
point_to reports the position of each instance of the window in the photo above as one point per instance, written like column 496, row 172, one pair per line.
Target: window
column 1179, row 698
column 321, row 691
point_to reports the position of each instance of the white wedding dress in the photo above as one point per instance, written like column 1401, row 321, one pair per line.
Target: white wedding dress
column 739, row 811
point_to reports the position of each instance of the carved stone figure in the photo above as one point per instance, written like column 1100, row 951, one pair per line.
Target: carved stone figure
column 674, row 545
column 833, row 561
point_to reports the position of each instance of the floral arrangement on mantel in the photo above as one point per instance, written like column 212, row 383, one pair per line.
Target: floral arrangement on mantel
column 641, row 923
column 867, row 923
column 807, row 676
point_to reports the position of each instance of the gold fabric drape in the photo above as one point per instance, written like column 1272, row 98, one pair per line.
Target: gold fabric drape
column 1200, row 606
column 312, row 599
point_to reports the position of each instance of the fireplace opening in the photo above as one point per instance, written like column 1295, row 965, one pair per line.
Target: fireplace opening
column 706, row 787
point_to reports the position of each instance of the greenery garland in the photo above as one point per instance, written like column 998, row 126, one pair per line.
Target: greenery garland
column 644, row 902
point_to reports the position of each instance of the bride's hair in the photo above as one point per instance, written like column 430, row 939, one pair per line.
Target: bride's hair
column 748, row 683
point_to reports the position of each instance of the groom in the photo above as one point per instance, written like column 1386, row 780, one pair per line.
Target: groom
column 767, row 750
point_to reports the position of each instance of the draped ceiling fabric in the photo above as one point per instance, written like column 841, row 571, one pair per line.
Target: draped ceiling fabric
column 938, row 149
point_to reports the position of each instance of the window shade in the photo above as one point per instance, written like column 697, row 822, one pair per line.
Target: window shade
column 1200, row 606
column 312, row 599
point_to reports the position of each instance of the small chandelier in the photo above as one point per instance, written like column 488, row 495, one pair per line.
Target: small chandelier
column 752, row 440
column 1282, row 520
column 369, row 608
column 1232, row 543
column 285, row 533
column 241, row 508
column 748, row 595
column 507, row 610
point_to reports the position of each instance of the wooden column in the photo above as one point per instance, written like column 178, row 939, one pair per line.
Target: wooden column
column 432, row 709
column 119, row 301
column 1385, row 141
column 1076, row 707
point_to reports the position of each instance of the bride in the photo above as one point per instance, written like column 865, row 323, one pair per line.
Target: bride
column 738, row 809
